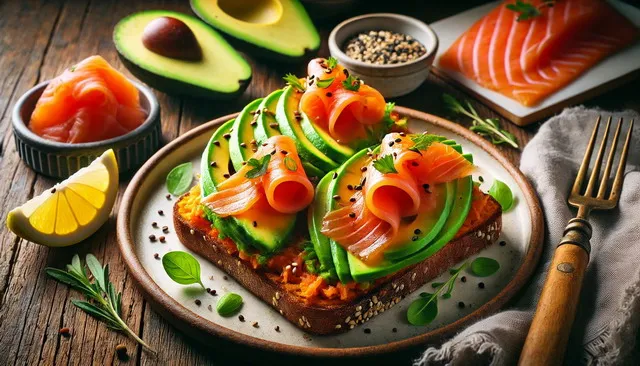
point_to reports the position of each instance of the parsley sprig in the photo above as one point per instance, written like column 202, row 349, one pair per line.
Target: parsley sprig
column 423, row 141
column 351, row 83
column 385, row 164
column 527, row 11
column 259, row 166
column 294, row 81
column 332, row 62
column 103, row 302
column 487, row 127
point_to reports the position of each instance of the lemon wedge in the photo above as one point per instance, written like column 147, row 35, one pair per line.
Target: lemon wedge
column 72, row 210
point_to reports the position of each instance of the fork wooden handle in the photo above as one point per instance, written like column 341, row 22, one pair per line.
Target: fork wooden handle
column 551, row 325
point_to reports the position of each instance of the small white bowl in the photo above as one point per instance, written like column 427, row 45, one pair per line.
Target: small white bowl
column 391, row 80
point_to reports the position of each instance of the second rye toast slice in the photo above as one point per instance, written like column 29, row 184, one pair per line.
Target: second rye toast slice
column 338, row 316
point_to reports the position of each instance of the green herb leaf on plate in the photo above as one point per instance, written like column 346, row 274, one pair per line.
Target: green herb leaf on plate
column 332, row 62
column 502, row 193
column 179, row 179
column 351, row 83
column 290, row 164
column 294, row 81
column 422, row 142
column 182, row 268
column 325, row 83
column 259, row 167
column 484, row 267
column 385, row 164
column 229, row 304
column 422, row 311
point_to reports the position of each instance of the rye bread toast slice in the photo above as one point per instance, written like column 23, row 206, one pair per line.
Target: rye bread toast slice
column 335, row 318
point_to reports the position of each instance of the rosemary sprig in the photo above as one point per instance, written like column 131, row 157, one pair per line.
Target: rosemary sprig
column 104, row 303
column 487, row 127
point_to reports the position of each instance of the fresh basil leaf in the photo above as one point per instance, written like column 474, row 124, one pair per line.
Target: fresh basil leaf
column 260, row 169
column 385, row 164
column 290, row 164
column 484, row 267
column 325, row 83
column 422, row 311
column 182, row 268
column 179, row 179
column 96, row 270
column 229, row 304
column 502, row 193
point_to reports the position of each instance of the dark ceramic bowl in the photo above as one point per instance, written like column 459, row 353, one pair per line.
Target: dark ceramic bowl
column 60, row 160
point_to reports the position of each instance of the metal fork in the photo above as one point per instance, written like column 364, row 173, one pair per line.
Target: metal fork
column 551, row 325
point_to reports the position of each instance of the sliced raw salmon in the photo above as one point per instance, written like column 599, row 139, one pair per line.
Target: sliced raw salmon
column 368, row 225
column 283, row 185
column 342, row 112
column 529, row 60
column 90, row 101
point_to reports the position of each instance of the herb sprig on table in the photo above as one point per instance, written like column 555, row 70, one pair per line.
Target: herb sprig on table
column 103, row 302
column 487, row 127
column 527, row 10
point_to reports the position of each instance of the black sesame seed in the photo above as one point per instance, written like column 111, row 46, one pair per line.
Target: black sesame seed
column 225, row 277
column 345, row 72
column 214, row 164
column 398, row 140
column 329, row 94
column 168, row 197
column 284, row 152
column 227, row 136
column 336, row 197
column 391, row 143
column 226, row 175
column 277, row 328
column 461, row 305
column 352, row 199
column 363, row 169
column 254, row 122
column 198, row 302
column 273, row 125
column 350, row 187
column 358, row 188
column 160, row 212
column 395, row 330
column 414, row 163
column 53, row 190
column 414, row 238
column 352, row 215
column 242, row 144
column 481, row 179
column 255, row 224
column 481, row 285
column 241, row 317
column 403, row 134
column 154, row 224
column 463, row 279
column 156, row 255
column 335, row 175
column 273, row 152
column 367, row 330
column 216, row 142
column 503, row 243
column 417, row 231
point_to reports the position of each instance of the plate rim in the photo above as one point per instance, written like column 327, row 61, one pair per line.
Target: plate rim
column 193, row 324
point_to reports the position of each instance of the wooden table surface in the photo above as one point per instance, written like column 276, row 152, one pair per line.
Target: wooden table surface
column 39, row 39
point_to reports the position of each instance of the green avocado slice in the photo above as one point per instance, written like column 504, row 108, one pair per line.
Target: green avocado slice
column 221, row 73
column 324, row 142
column 267, row 127
column 271, row 230
column 362, row 272
column 242, row 144
column 317, row 210
column 278, row 29
column 290, row 126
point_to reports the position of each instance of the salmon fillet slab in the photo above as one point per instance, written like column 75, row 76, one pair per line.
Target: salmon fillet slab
column 528, row 60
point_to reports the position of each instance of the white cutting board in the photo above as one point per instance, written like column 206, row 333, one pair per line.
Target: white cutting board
column 608, row 74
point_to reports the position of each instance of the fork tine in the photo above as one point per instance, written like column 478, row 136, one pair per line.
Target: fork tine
column 617, row 182
column 607, row 168
column 582, row 172
column 595, row 173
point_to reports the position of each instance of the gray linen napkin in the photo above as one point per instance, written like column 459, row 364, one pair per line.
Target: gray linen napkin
column 606, row 326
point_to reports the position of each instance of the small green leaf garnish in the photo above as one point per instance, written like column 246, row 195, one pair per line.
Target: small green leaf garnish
column 325, row 83
column 72, row 68
column 351, row 83
column 385, row 164
column 502, row 193
column 527, row 10
column 229, row 304
column 332, row 62
column 290, row 164
column 294, row 81
column 425, row 309
column 102, row 300
column 259, row 166
column 484, row 267
column 179, row 179
column 182, row 268
column 423, row 141
column 487, row 127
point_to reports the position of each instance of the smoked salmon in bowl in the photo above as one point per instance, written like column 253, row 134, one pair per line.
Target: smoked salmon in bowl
column 63, row 124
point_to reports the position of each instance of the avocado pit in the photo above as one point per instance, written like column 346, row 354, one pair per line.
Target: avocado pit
column 171, row 37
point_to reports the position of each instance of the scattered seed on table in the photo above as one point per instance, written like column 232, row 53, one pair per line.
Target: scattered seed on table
column 162, row 239
column 168, row 197
column 208, row 290
column 154, row 224
column 152, row 238
column 156, row 255
column 165, row 229
column 213, row 292
column 160, row 212
column 277, row 328
column 65, row 332
column 198, row 302
column 241, row 317
column 255, row 325
column 383, row 47
column 481, row 285
column 121, row 351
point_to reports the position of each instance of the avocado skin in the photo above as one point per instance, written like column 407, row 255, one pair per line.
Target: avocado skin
column 176, row 87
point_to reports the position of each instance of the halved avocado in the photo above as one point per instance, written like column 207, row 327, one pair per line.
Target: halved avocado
column 267, row 126
column 276, row 29
column 317, row 210
column 290, row 126
column 242, row 143
column 362, row 272
column 221, row 73
column 262, row 228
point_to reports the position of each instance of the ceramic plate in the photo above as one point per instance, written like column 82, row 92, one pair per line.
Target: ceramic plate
column 146, row 195
column 606, row 75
